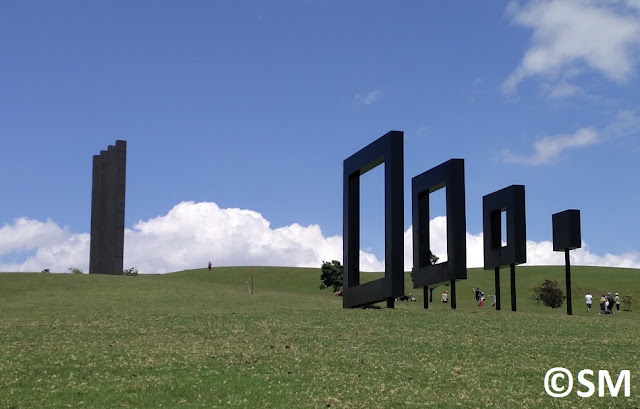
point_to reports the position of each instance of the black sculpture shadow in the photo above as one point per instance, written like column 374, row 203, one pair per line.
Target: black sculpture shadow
column 510, row 200
column 388, row 149
column 566, row 237
column 449, row 174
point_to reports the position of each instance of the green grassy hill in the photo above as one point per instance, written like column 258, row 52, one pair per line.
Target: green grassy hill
column 199, row 339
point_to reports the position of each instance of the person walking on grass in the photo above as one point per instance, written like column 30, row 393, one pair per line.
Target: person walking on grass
column 445, row 297
column 617, row 301
column 494, row 299
column 587, row 299
column 610, row 303
column 603, row 300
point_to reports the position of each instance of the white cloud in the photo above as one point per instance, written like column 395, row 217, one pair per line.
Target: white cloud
column 568, row 35
column 55, row 247
column 368, row 99
column 548, row 149
column 191, row 234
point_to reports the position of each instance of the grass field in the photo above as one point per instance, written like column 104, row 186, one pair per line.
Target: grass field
column 199, row 339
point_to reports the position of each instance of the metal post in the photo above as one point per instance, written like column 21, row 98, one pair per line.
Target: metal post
column 513, row 287
column 426, row 297
column 452, row 287
column 567, row 264
column 497, row 279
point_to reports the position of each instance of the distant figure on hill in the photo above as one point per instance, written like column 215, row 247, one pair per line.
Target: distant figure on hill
column 609, row 303
column 603, row 301
column 210, row 265
column 587, row 299
column 445, row 297
column 617, row 301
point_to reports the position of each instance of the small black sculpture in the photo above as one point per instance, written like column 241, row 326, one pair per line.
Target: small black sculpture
column 449, row 174
column 510, row 200
column 566, row 237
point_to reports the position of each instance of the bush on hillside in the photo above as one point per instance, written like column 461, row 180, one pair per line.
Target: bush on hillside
column 627, row 300
column 132, row 272
column 75, row 270
column 549, row 293
column 331, row 275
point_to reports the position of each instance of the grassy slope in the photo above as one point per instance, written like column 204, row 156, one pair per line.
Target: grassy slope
column 197, row 339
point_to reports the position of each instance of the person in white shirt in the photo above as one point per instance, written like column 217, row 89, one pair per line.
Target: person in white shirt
column 588, row 298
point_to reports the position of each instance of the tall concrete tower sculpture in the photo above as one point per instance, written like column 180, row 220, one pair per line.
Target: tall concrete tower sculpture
column 107, row 210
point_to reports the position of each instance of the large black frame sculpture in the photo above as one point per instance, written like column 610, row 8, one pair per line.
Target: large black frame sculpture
column 566, row 237
column 106, row 251
column 388, row 149
column 511, row 200
column 449, row 174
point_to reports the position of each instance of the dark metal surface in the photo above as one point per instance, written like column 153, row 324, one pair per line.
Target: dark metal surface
column 497, row 288
column 449, row 174
column 388, row 149
column 566, row 230
column 106, row 250
column 510, row 200
column 566, row 236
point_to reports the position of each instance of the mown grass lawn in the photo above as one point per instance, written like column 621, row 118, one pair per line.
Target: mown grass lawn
column 198, row 339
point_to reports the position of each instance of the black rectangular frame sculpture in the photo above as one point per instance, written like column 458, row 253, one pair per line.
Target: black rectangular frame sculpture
column 566, row 237
column 388, row 149
column 512, row 200
column 449, row 174
column 106, row 250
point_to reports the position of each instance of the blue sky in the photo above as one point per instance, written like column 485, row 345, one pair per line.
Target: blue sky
column 246, row 110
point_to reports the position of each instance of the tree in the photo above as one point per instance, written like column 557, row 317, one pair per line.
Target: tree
column 331, row 275
column 628, row 300
column 549, row 293
column 74, row 270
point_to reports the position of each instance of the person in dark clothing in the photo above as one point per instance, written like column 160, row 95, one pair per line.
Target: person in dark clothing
column 610, row 299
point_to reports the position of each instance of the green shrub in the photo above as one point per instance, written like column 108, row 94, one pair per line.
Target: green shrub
column 627, row 300
column 549, row 293
column 75, row 270
column 132, row 272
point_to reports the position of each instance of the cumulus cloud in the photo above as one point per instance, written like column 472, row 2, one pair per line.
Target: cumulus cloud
column 55, row 247
column 571, row 35
column 191, row 234
column 548, row 149
column 369, row 98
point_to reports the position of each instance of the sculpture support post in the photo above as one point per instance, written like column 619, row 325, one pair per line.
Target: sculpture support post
column 426, row 297
column 566, row 237
column 452, row 287
column 567, row 265
column 497, row 285
column 513, row 287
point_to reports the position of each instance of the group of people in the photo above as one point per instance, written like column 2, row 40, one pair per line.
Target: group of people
column 479, row 294
column 606, row 303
